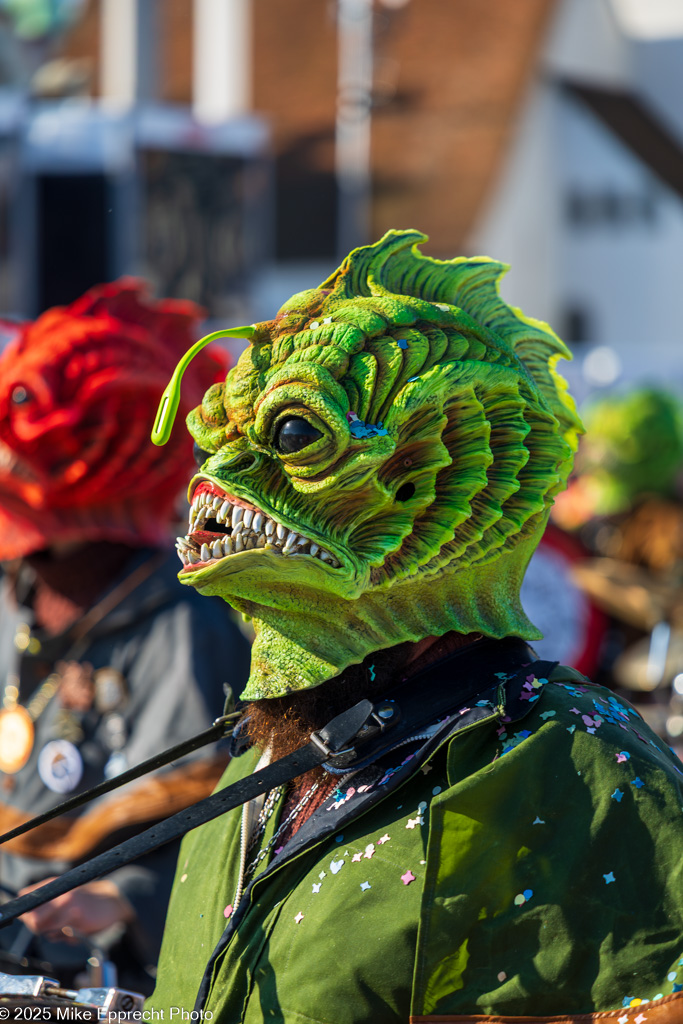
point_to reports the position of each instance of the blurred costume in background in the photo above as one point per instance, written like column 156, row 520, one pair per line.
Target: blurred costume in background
column 624, row 504
column 380, row 465
column 104, row 659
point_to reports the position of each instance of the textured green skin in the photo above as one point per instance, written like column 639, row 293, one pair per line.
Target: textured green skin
column 485, row 435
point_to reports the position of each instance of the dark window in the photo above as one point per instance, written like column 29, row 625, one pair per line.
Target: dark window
column 72, row 239
column 602, row 207
column 578, row 325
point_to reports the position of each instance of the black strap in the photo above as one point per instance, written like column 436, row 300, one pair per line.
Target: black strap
column 451, row 683
column 337, row 737
column 210, row 735
column 457, row 678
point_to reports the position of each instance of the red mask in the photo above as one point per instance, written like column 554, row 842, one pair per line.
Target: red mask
column 79, row 389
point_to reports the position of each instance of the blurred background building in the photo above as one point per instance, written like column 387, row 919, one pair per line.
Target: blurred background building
column 232, row 150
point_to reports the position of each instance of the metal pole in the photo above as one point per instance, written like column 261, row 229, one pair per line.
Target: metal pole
column 129, row 52
column 354, row 98
column 221, row 76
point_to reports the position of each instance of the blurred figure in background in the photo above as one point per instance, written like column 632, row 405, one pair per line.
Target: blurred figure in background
column 624, row 504
column 105, row 659
column 630, row 459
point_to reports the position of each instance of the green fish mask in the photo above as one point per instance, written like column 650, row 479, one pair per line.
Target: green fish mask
column 379, row 464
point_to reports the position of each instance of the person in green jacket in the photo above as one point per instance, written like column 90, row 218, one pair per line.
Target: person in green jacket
column 375, row 474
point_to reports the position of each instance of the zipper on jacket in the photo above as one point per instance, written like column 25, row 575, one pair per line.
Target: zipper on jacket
column 246, row 827
column 244, row 842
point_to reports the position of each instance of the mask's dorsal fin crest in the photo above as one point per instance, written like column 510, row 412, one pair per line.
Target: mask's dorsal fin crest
column 170, row 399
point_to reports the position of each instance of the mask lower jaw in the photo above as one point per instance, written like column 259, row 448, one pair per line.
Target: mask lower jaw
column 300, row 650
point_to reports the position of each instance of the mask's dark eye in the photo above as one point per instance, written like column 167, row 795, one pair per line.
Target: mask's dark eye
column 294, row 434
column 200, row 456
column 20, row 395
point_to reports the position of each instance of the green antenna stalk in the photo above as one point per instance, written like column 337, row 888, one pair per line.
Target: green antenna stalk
column 170, row 399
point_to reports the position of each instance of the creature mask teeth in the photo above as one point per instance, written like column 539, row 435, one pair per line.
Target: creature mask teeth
column 249, row 530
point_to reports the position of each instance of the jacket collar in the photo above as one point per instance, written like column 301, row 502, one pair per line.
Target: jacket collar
column 491, row 679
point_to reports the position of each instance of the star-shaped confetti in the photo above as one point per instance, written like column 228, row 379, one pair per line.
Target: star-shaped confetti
column 323, row 874
column 357, row 856
column 617, row 795
column 609, row 878
column 369, row 851
column 385, row 839
column 622, row 756
column 426, row 768
column 365, row 886
column 336, row 865
column 317, row 886
column 408, row 878
column 299, row 918
column 637, row 782
column 538, row 821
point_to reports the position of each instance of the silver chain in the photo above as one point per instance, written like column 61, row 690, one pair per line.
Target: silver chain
column 266, row 812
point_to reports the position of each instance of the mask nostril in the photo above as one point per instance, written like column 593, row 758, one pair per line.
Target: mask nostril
column 241, row 462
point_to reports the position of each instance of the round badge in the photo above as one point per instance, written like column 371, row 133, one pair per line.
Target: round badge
column 60, row 766
column 16, row 738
